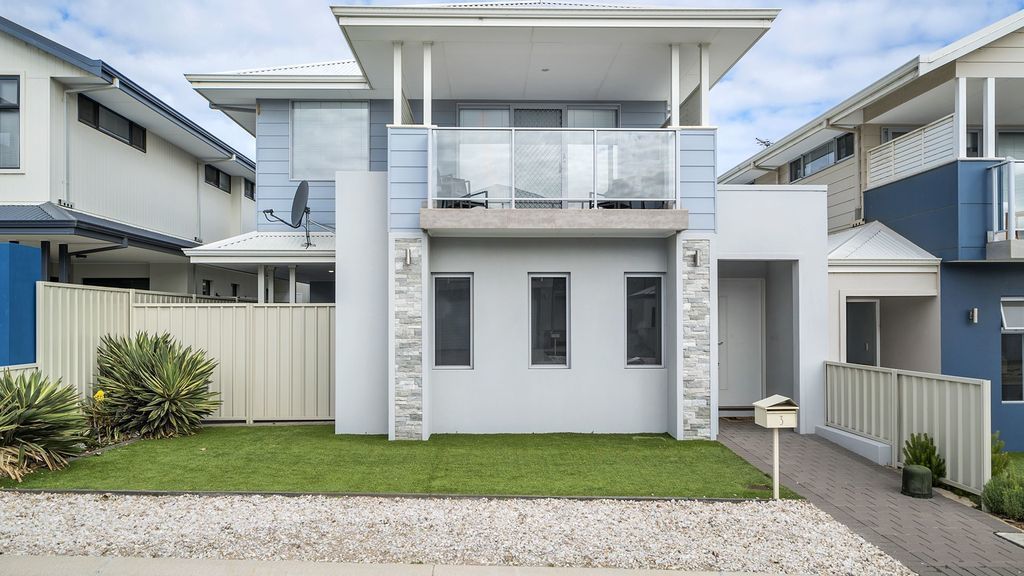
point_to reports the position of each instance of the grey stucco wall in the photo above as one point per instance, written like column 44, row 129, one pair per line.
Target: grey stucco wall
column 501, row 393
column 275, row 187
column 697, row 182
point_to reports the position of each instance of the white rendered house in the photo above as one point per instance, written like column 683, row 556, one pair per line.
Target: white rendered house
column 529, row 236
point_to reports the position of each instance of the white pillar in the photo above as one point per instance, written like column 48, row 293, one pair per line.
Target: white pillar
column 705, row 84
column 291, row 284
column 960, row 117
column 397, row 112
column 427, row 89
column 674, row 96
column 271, row 278
column 988, row 120
column 261, row 284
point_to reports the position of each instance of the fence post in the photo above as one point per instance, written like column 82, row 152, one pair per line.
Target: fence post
column 897, row 432
column 250, row 365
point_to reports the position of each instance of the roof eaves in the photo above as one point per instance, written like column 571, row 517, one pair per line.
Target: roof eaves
column 760, row 16
column 972, row 42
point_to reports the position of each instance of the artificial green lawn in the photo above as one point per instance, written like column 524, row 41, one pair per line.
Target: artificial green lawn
column 314, row 459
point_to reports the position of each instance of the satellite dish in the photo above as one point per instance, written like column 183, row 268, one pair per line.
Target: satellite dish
column 300, row 204
column 300, row 213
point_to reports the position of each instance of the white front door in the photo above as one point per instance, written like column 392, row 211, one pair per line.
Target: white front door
column 740, row 342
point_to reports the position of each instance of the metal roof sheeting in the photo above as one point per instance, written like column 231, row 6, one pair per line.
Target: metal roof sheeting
column 876, row 242
column 255, row 243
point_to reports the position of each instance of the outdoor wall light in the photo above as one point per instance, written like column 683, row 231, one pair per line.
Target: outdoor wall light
column 696, row 258
column 972, row 315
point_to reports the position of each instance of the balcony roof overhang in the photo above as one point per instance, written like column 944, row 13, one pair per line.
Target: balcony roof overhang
column 553, row 223
column 521, row 53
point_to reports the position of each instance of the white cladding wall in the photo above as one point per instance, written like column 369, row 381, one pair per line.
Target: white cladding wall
column 501, row 393
column 41, row 135
column 756, row 223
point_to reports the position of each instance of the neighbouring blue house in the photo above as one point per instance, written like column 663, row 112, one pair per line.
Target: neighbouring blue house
column 930, row 151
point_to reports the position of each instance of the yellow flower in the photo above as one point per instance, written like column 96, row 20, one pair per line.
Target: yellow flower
column 98, row 396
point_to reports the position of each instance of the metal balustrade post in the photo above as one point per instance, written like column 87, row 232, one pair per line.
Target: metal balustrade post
column 1011, row 200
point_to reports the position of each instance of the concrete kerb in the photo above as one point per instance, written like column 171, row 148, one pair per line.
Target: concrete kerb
column 124, row 566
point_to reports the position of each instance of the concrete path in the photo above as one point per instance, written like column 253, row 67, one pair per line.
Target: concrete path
column 931, row 537
column 112, row 566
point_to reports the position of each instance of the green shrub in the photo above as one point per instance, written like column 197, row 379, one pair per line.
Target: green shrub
column 921, row 450
column 150, row 386
column 1004, row 494
column 1000, row 458
column 40, row 424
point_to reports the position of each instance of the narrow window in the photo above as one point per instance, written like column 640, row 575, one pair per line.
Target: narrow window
column 844, row 146
column 796, row 170
column 453, row 321
column 1012, row 353
column 98, row 116
column 234, row 290
column 549, row 320
column 207, row 287
column 250, row 189
column 216, row 177
column 484, row 117
column 10, row 122
column 643, row 320
column 593, row 118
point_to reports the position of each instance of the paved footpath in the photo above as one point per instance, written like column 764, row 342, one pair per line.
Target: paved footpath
column 931, row 537
column 113, row 566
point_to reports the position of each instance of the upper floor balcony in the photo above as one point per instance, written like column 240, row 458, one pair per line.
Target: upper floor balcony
column 523, row 168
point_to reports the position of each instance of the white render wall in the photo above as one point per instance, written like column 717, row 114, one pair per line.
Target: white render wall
column 760, row 222
column 502, row 393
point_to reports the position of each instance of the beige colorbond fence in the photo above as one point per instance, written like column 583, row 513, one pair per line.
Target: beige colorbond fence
column 889, row 405
column 275, row 361
column 17, row 369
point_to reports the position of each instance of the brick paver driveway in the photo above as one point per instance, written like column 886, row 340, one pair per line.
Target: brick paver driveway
column 937, row 536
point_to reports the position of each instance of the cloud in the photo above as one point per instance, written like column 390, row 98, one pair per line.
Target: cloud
column 818, row 52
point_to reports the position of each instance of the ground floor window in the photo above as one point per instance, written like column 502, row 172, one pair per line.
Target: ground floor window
column 453, row 321
column 549, row 320
column 1012, row 375
column 643, row 320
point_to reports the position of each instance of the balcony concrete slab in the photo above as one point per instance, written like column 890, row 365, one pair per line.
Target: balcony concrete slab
column 544, row 222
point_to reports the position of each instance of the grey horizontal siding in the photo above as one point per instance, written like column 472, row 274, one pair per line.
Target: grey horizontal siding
column 407, row 177
column 274, row 186
column 697, row 183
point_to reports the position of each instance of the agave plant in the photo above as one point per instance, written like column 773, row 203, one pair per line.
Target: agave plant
column 40, row 424
column 152, row 386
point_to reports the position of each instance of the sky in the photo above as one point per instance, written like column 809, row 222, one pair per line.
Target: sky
column 818, row 52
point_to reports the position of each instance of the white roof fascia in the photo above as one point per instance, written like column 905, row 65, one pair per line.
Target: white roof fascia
column 876, row 90
column 972, row 42
column 504, row 16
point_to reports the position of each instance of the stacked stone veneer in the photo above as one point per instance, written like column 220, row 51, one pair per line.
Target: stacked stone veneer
column 695, row 395
column 407, row 319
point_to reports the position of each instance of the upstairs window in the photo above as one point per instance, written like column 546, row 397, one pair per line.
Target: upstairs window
column 92, row 113
column 216, row 177
column 822, row 157
column 328, row 137
column 250, row 189
column 10, row 122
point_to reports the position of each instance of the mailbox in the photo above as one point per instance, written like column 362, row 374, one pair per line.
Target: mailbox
column 775, row 412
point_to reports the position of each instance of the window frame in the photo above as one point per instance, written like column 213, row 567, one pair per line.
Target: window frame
column 132, row 126
column 1004, row 330
column 511, row 107
column 219, row 173
column 800, row 162
column 249, row 189
column 291, row 136
column 19, row 77
column 625, row 319
column 568, row 320
column 472, row 320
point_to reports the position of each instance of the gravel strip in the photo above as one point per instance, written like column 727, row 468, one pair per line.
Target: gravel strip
column 779, row 537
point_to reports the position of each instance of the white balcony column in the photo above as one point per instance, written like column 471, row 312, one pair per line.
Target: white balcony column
column 427, row 89
column 261, row 284
column 674, row 95
column 960, row 116
column 705, row 84
column 396, row 117
column 291, row 284
column 272, row 281
column 988, row 118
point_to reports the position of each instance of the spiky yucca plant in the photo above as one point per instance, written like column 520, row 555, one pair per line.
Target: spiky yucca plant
column 920, row 449
column 152, row 386
column 40, row 424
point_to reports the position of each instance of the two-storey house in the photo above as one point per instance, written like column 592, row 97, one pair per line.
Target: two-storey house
column 108, row 182
column 528, row 233
column 926, row 156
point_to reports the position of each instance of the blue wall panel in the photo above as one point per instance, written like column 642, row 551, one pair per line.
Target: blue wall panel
column 697, row 182
column 19, row 271
column 923, row 208
column 974, row 350
column 407, row 177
